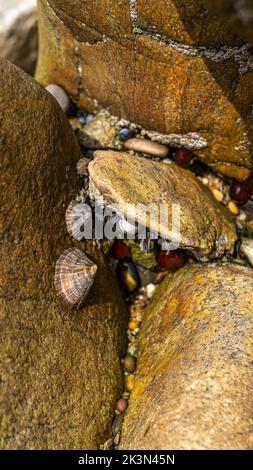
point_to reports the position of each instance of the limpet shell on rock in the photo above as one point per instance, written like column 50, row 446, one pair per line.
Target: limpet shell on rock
column 74, row 276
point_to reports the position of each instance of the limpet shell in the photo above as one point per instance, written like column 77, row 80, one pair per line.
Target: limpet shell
column 74, row 276
column 77, row 216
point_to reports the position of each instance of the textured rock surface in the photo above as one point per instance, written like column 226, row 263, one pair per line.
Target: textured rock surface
column 238, row 12
column 247, row 249
column 132, row 182
column 194, row 379
column 60, row 371
column 18, row 33
column 170, row 66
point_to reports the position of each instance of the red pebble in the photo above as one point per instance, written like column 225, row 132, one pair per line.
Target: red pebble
column 240, row 191
column 121, row 405
column 183, row 157
column 171, row 260
column 120, row 250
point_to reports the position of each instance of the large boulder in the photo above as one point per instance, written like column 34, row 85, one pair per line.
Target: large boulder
column 140, row 186
column 194, row 379
column 19, row 33
column 172, row 67
column 60, row 370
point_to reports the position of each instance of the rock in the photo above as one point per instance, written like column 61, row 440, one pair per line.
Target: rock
column 147, row 146
column 60, row 95
column 19, row 33
column 99, row 133
column 247, row 249
column 194, row 376
column 206, row 227
column 172, row 67
column 60, row 371
column 238, row 13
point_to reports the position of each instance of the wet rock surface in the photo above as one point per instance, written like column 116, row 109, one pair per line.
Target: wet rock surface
column 193, row 384
column 60, row 371
column 133, row 183
column 18, row 33
column 172, row 67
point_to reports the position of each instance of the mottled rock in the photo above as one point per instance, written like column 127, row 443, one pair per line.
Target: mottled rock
column 194, row 373
column 247, row 249
column 172, row 67
column 134, row 183
column 19, row 33
column 100, row 133
column 60, row 371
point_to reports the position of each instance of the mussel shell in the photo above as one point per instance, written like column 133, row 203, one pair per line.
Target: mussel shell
column 74, row 276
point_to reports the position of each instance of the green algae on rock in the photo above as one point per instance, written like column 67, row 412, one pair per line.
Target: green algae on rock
column 60, row 371
column 134, row 183
column 194, row 372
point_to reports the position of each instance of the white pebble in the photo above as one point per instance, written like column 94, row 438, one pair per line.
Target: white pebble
column 60, row 95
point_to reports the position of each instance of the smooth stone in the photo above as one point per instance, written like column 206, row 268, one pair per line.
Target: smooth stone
column 207, row 227
column 19, row 33
column 247, row 249
column 147, row 146
column 193, row 388
column 61, row 372
column 60, row 95
column 175, row 68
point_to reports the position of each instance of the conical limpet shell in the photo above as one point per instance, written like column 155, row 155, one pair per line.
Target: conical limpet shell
column 74, row 276
column 78, row 216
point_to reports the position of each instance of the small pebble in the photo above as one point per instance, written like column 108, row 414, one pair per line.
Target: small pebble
column 171, row 260
column 183, row 158
column 121, row 405
column 133, row 324
column 131, row 350
column 205, row 181
column 120, row 250
column 118, row 423
column 89, row 118
column 218, row 195
column 150, row 289
column 130, row 363
column 60, row 95
column 147, row 146
column 125, row 133
column 128, row 276
column 233, row 208
column 240, row 192
column 130, row 382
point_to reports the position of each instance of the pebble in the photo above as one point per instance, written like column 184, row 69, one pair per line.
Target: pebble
column 133, row 325
column 218, row 195
column 120, row 250
column 147, row 146
column 118, row 423
column 130, row 363
column 131, row 350
column 233, row 208
column 125, row 133
column 128, row 276
column 130, row 382
column 150, row 289
column 89, row 118
column 60, row 95
column 121, row 405
column 171, row 261
column 183, row 158
column 239, row 191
